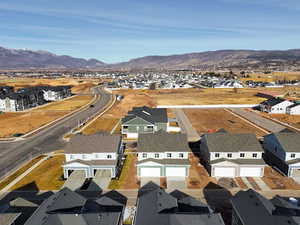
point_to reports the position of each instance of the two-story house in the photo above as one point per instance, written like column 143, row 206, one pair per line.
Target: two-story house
column 156, row 206
column 67, row 207
column 93, row 153
column 250, row 207
column 232, row 155
column 163, row 154
column 143, row 120
column 56, row 93
column 282, row 150
column 275, row 105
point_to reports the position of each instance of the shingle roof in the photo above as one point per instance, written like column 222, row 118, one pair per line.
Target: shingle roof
column 273, row 101
column 289, row 141
column 253, row 208
column 8, row 218
column 68, row 207
column 155, row 206
column 228, row 142
column 162, row 141
column 152, row 115
column 93, row 143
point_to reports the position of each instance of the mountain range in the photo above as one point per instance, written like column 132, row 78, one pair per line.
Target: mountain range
column 28, row 59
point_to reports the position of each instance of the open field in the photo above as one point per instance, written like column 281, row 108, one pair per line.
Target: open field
column 275, row 76
column 293, row 120
column 204, row 120
column 193, row 96
column 20, row 171
column 47, row 176
column 24, row 122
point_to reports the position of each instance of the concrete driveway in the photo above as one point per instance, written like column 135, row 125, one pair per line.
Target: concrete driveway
column 75, row 180
column 100, row 181
column 145, row 180
column 176, row 183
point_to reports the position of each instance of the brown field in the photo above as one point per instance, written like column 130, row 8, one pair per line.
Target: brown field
column 24, row 122
column 46, row 176
column 204, row 120
column 20, row 171
column 273, row 76
column 192, row 96
column 276, row 181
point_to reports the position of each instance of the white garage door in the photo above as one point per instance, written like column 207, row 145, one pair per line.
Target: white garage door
column 250, row 172
column 175, row 172
column 224, row 172
column 150, row 172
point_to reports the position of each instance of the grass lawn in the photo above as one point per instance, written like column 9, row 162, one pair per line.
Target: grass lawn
column 127, row 178
column 46, row 176
column 12, row 177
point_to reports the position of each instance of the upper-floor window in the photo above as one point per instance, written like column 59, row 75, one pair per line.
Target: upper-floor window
column 125, row 127
column 109, row 156
column 96, row 156
column 84, row 156
column 229, row 155
column 293, row 155
column 144, row 155
column 242, row 155
column 156, row 155
column 181, row 155
column 169, row 155
column 71, row 156
column 217, row 155
column 254, row 155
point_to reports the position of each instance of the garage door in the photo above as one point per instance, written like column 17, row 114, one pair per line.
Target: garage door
column 250, row 172
column 224, row 172
column 150, row 172
column 175, row 172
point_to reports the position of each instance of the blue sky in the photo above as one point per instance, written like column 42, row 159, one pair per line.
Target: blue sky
column 119, row 30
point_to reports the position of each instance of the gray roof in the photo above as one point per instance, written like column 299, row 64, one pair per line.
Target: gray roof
column 228, row 142
column 253, row 208
column 68, row 207
column 241, row 161
column 289, row 141
column 152, row 115
column 98, row 142
column 155, row 206
column 162, row 141
column 8, row 218
column 166, row 161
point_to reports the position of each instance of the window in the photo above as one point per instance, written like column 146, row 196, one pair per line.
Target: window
column 229, row 155
column 169, row 155
column 254, row 155
column 156, row 155
column 144, row 155
column 84, row 156
column 180, row 155
column 96, row 156
column 149, row 126
column 217, row 155
column 71, row 157
column 242, row 155
column 125, row 127
column 109, row 156
column 293, row 155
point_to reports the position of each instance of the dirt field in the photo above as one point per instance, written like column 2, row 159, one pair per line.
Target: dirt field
column 204, row 120
column 276, row 181
column 273, row 76
column 192, row 96
column 293, row 120
column 24, row 122
column 46, row 176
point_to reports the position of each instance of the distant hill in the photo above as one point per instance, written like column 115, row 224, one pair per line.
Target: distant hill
column 240, row 59
column 221, row 58
column 28, row 59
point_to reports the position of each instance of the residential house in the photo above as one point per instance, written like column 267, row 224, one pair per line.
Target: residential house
column 68, row 207
column 155, row 206
column 57, row 93
column 293, row 109
column 142, row 120
column 232, row 155
column 283, row 152
column 14, row 102
column 250, row 207
column 163, row 154
column 275, row 105
column 93, row 153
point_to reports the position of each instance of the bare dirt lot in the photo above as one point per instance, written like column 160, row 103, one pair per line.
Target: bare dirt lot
column 204, row 120
column 24, row 122
column 194, row 96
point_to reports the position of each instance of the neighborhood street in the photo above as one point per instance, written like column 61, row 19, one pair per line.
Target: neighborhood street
column 13, row 154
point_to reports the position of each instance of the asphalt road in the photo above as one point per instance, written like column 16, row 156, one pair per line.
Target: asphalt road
column 13, row 154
